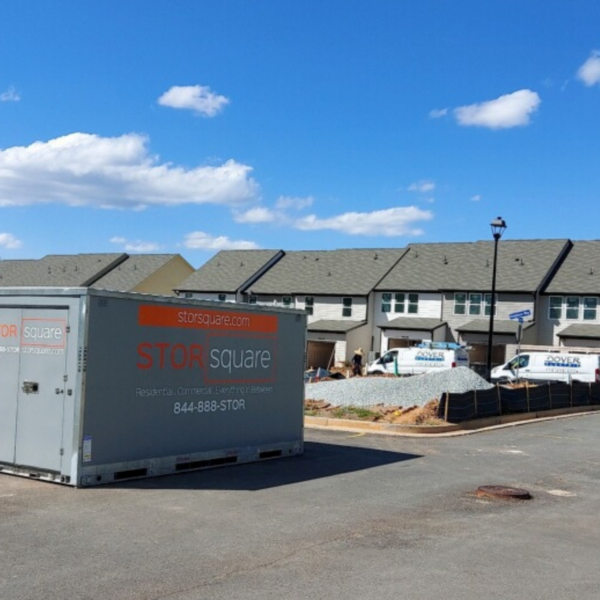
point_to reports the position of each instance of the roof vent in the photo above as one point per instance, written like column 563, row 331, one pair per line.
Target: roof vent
column 416, row 254
column 328, row 273
column 445, row 259
column 591, row 270
column 316, row 258
column 376, row 256
column 521, row 262
column 242, row 264
column 487, row 262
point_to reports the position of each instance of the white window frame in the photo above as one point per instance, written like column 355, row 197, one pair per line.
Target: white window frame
column 589, row 309
column 347, row 306
column 476, row 304
column 555, row 308
column 574, row 308
column 386, row 302
column 309, row 304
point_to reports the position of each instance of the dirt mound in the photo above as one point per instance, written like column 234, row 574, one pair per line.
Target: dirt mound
column 412, row 415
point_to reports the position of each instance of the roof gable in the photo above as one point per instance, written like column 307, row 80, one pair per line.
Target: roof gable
column 58, row 270
column 228, row 270
column 353, row 272
column 580, row 271
column 522, row 266
column 132, row 272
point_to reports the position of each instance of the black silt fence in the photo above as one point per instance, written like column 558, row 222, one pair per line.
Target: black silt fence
column 479, row 404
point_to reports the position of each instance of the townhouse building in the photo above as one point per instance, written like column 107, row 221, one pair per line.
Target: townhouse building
column 336, row 289
column 570, row 304
column 442, row 292
column 142, row 273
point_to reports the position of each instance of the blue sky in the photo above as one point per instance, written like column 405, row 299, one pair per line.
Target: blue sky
column 195, row 126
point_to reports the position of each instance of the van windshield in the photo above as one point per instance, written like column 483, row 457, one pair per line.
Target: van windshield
column 518, row 362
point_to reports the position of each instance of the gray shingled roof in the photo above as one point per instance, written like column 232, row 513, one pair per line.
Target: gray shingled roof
column 132, row 272
column 500, row 326
column 228, row 271
column 331, row 326
column 328, row 272
column 58, row 270
column 416, row 323
column 522, row 266
column 580, row 272
column 582, row 330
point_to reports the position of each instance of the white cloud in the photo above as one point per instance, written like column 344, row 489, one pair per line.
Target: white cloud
column 422, row 186
column 288, row 202
column 476, row 197
column 199, row 240
column 82, row 169
column 198, row 98
column 389, row 222
column 589, row 72
column 258, row 214
column 9, row 241
column 437, row 113
column 10, row 95
column 510, row 110
column 135, row 246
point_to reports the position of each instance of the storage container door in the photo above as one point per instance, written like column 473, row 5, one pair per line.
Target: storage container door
column 41, row 391
column 10, row 323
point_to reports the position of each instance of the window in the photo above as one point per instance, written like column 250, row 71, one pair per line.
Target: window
column 413, row 304
column 287, row 301
column 309, row 303
column 555, row 311
column 403, row 303
column 399, row 303
column 222, row 297
column 589, row 309
column 347, row 307
column 189, row 295
column 475, row 304
column 487, row 304
column 572, row 307
column 251, row 299
column 460, row 304
column 518, row 362
column 386, row 302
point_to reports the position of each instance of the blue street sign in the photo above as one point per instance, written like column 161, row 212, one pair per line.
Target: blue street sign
column 518, row 316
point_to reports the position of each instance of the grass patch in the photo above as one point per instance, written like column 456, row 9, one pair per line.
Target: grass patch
column 355, row 412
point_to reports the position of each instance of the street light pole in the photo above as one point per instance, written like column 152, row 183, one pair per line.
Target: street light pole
column 498, row 226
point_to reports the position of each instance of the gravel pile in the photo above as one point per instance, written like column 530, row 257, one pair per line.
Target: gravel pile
column 395, row 391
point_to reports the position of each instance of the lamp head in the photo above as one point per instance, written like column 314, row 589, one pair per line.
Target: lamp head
column 498, row 226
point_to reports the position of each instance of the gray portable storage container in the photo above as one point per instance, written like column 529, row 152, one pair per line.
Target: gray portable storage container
column 99, row 386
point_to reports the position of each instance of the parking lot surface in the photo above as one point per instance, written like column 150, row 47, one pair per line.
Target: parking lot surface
column 357, row 516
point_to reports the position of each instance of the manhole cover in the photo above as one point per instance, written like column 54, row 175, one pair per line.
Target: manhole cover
column 502, row 492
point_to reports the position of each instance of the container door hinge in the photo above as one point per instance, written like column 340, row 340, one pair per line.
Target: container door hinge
column 68, row 329
column 65, row 378
column 62, row 451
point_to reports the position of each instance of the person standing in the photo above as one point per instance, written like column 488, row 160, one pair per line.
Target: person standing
column 357, row 362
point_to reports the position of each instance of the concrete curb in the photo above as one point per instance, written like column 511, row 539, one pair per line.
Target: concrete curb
column 452, row 430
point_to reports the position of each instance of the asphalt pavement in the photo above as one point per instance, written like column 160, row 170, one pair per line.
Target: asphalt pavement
column 357, row 516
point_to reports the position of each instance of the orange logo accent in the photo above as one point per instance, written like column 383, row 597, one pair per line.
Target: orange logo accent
column 203, row 318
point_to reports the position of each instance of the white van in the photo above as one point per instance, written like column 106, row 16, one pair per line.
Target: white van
column 425, row 358
column 549, row 366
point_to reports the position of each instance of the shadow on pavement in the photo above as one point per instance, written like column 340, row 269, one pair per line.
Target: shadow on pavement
column 318, row 461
